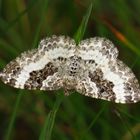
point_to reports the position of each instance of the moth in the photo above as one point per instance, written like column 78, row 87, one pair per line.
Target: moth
column 90, row 68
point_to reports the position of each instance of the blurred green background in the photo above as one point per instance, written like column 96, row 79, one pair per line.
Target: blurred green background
column 23, row 113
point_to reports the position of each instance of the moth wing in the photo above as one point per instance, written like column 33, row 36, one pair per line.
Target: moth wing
column 107, row 77
column 37, row 69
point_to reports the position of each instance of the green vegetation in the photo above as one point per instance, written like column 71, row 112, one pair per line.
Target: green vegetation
column 33, row 115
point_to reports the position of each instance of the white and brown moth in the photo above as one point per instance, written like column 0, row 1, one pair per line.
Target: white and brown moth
column 91, row 68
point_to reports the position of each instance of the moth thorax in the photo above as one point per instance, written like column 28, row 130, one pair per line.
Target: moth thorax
column 74, row 66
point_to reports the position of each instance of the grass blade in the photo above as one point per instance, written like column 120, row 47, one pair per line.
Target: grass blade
column 49, row 123
column 13, row 117
column 12, row 23
column 123, row 120
column 0, row 6
column 81, row 30
column 40, row 23
column 122, row 38
column 93, row 121
column 128, row 115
